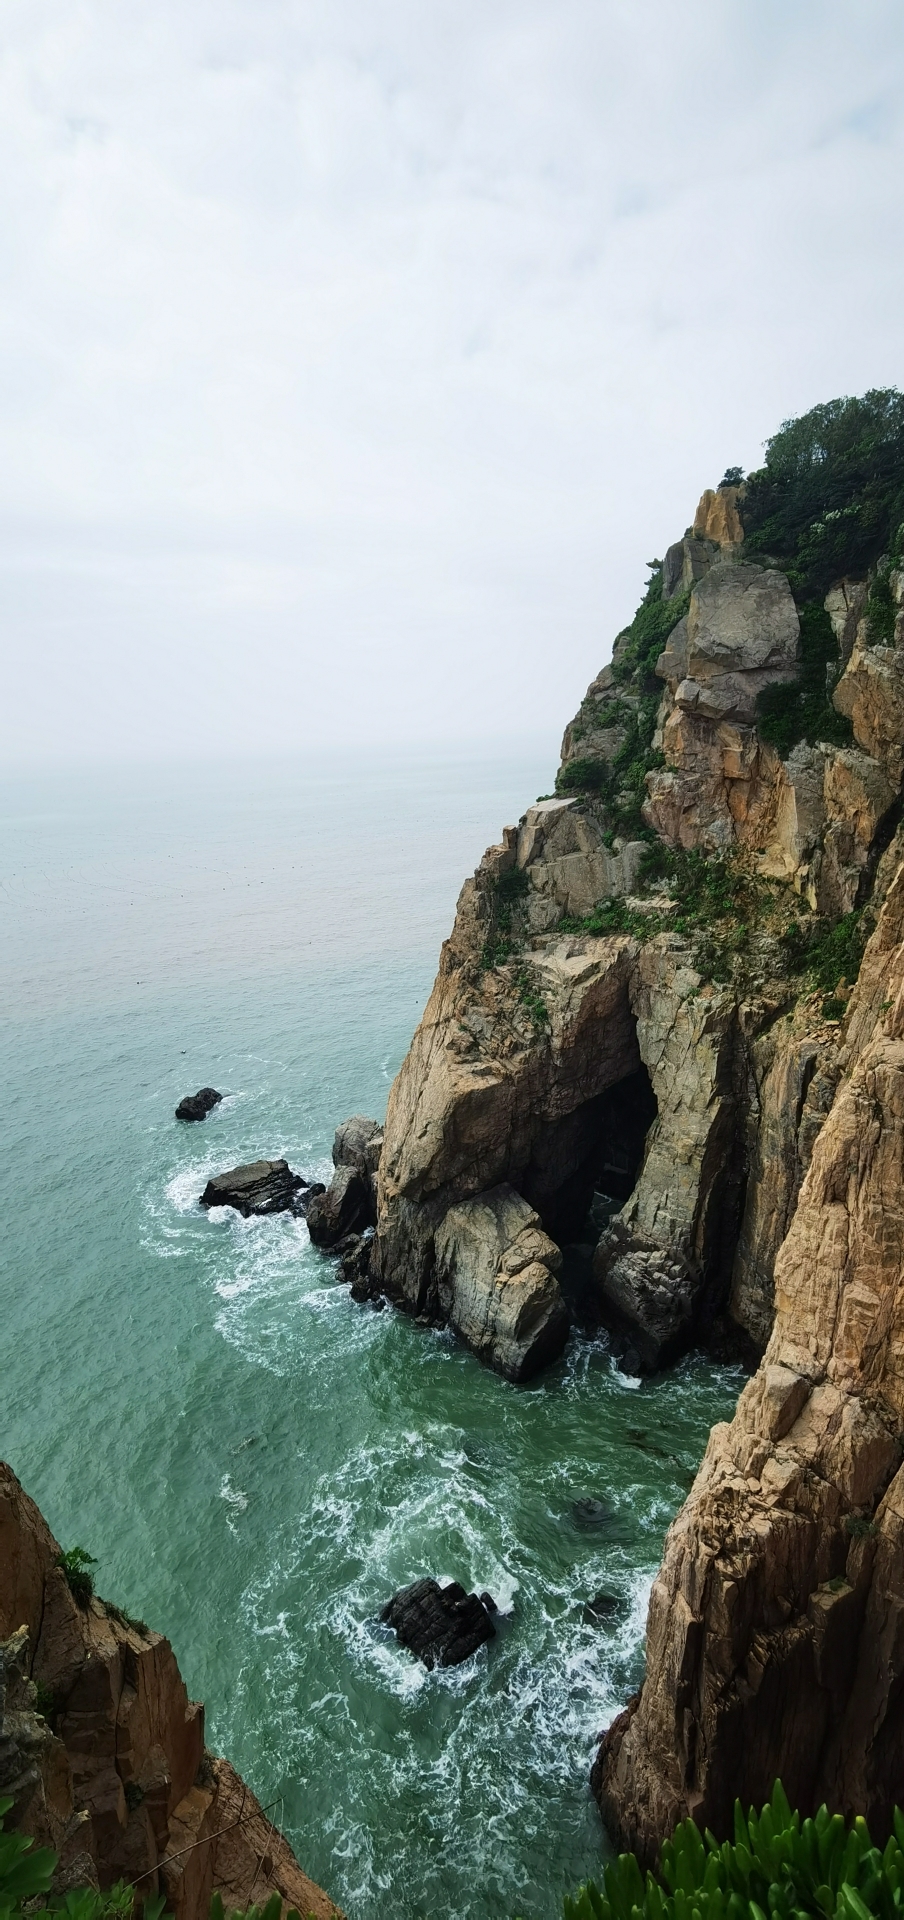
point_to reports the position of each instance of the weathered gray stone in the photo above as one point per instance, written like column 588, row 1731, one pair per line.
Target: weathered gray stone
column 357, row 1144
column 496, row 1282
column 648, row 1293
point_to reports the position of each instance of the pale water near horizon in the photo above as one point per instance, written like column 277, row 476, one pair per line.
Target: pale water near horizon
column 256, row 1462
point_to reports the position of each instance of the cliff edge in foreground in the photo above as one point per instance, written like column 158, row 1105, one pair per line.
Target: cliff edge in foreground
column 103, row 1754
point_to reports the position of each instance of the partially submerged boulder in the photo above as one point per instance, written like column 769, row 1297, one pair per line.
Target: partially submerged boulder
column 344, row 1207
column 196, row 1106
column 442, row 1625
column 648, row 1293
column 264, row 1186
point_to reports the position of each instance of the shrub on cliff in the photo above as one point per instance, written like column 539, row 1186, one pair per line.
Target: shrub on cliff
column 830, row 496
column 777, row 1864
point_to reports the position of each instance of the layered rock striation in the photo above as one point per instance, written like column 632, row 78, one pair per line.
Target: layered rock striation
column 103, row 1754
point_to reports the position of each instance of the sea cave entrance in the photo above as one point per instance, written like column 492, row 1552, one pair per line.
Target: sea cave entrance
column 584, row 1166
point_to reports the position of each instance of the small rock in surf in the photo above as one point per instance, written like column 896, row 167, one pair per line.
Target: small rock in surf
column 196, row 1106
column 442, row 1625
column 603, row 1608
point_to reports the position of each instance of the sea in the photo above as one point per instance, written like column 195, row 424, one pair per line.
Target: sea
column 255, row 1462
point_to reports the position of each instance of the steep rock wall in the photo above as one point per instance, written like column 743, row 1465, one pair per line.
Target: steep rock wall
column 119, row 1782
column 775, row 1642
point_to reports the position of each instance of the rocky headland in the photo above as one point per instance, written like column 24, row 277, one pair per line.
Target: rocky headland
column 659, row 1088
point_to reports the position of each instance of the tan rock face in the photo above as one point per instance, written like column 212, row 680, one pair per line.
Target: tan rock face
column 721, row 783
column 487, row 1097
column 717, row 517
column 775, row 1640
column 871, row 694
column 125, row 1785
column 792, row 1081
column 496, row 1282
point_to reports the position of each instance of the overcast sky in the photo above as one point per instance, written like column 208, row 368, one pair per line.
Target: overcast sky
column 356, row 354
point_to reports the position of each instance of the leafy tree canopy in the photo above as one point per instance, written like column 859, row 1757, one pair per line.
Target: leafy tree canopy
column 830, row 498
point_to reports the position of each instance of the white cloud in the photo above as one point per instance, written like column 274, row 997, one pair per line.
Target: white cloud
column 353, row 359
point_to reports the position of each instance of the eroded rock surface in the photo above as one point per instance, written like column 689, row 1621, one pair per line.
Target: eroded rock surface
column 121, row 1784
column 496, row 1282
column 345, row 1206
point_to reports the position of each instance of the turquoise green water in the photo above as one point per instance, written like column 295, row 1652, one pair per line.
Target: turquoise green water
column 256, row 1462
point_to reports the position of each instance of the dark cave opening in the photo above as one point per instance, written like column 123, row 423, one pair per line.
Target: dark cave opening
column 585, row 1165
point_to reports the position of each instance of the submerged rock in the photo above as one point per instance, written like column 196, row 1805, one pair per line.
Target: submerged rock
column 264, row 1186
column 196, row 1106
column 602, row 1609
column 442, row 1625
column 591, row 1514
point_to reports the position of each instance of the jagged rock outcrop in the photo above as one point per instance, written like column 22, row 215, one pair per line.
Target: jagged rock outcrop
column 349, row 1203
column 345, row 1206
column 792, row 1076
column 118, row 1780
column 441, row 1625
column 775, row 1639
column 871, row 689
column 499, row 1090
column 542, row 1007
column 741, row 635
column 359, row 1143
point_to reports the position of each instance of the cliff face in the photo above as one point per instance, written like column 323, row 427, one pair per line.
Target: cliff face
column 619, row 1057
column 103, row 1753
column 647, row 1093
column 776, row 1626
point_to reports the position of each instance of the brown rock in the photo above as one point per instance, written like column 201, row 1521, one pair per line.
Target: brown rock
column 124, row 1721
column 774, row 1642
column 717, row 517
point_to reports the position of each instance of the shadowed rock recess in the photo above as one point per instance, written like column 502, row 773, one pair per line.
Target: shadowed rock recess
column 102, row 1752
column 659, row 1088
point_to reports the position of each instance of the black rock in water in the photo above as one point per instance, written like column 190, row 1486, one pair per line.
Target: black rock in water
column 196, row 1106
column 442, row 1625
column 601, row 1609
column 264, row 1186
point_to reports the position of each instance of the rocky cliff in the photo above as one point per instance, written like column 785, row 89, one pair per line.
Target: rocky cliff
column 103, row 1753
column 647, row 1093
column 775, row 1641
column 610, row 1105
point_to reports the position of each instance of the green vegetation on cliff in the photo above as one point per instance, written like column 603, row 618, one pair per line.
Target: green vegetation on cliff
column 828, row 503
column 786, row 715
column 829, row 499
column 776, row 1865
column 618, row 782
